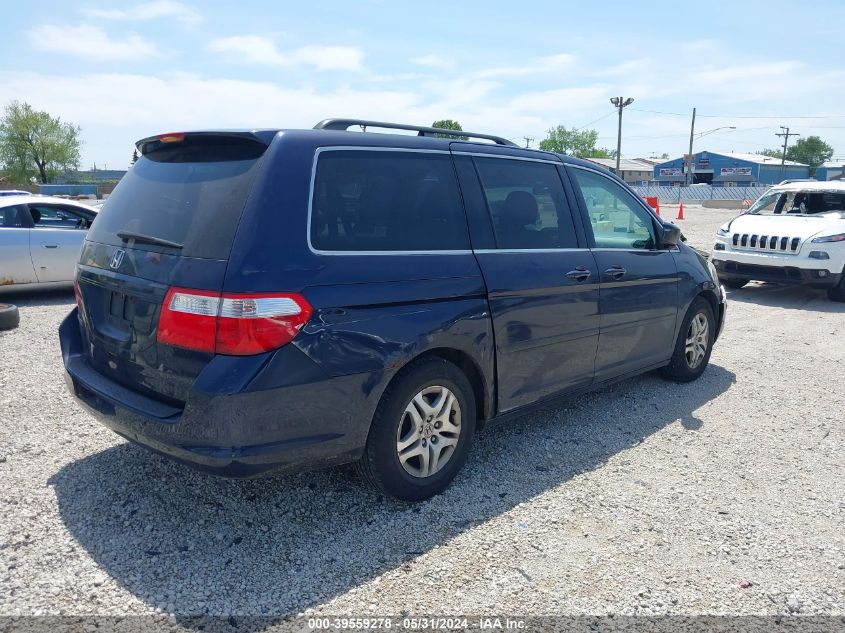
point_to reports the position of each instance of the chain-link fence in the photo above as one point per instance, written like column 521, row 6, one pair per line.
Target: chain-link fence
column 697, row 193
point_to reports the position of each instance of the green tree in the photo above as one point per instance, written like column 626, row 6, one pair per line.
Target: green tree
column 811, row 151
column 574, row 142
column 134, row 157
column 33, row 142
column 772, row 153
column 449, row 124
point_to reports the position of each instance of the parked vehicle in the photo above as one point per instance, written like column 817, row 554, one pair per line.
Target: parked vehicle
column 14, row 192
column 266, row 300
column 794, row 233
column 40, row 240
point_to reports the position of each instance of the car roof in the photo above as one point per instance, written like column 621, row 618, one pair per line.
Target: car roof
column 9, row 201
column 376, row 139
column 811, row 185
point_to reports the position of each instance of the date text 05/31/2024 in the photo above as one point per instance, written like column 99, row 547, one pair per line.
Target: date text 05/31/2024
column 415, row 624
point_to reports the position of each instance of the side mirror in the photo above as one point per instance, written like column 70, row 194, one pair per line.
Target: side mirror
column 671, row 236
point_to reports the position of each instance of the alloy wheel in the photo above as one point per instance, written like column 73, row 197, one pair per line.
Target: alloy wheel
column 429, row 431
column 698, row 338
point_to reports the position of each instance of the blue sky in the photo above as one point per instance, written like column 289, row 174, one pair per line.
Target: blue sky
column 126, row 70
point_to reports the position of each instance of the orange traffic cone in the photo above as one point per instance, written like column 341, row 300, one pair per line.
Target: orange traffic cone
column 681, row 211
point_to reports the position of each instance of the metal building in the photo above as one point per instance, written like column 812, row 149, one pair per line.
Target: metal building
column 831, row 170
column 729, row 169
column 633, row 170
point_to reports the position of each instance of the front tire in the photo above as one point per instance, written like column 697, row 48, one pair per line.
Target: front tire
column 421, row 432
column 694, row 344
column 837, row 293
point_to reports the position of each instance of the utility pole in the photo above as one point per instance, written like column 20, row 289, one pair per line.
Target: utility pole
column 527, row 141
column 620, row 103
column 785, row 134
column 688, row 175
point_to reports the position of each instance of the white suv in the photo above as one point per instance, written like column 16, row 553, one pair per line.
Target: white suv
column 794, row 233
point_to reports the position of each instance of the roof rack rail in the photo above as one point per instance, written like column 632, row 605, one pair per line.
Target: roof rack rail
column 791, row 180
column 345, row 124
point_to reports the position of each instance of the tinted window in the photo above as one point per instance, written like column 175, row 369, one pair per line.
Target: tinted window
column 191, row 194
column 386, row 201
column 527, row 204
column 617, row 219
column 11, row 217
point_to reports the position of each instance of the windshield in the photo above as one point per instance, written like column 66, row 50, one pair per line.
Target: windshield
column 824, row 204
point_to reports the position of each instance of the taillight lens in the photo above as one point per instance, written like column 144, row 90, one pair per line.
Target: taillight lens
column 233, row 324
column 189, row 319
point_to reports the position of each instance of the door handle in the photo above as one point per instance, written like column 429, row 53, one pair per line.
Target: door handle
column 617, row 272
column 50, row 245
column 580, row 273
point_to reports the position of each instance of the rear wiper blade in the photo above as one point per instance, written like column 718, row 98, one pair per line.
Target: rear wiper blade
column 147, row 239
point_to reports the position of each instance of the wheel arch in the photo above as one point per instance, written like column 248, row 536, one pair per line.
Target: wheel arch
column 481, row 385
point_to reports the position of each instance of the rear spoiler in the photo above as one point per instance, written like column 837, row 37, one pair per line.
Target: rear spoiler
column 152, row 143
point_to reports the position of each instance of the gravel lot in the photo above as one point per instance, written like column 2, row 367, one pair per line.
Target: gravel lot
column 643, row 498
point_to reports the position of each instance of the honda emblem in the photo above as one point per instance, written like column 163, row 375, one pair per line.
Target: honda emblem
column 117, row 258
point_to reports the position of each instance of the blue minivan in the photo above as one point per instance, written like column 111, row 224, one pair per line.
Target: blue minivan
column 256, row 301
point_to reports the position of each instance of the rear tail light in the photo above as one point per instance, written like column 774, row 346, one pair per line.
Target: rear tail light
column 233, row 324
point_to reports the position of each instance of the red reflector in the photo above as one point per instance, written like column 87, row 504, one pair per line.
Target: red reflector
column 234, row 324
column 172, row 137
column 77, row 292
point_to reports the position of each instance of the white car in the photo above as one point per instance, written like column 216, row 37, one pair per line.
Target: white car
column 40, row 240
column 794, row 233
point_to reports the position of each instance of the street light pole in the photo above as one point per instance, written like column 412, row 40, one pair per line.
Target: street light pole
column 620, row 103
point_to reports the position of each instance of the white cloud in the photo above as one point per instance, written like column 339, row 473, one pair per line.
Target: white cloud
column 540, row 65
column 258, row 49
column 149, row 11
column 434, row 61
column 255, row 49
column 90, row 42
column 330, row 57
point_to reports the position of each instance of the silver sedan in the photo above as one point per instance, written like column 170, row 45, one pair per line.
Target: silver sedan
column 40, row 240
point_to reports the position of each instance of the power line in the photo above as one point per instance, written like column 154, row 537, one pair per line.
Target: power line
column 604, row 116
column 744, row 116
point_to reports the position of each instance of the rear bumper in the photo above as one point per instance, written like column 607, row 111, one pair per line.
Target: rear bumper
column 289, row 416
column 815, row 278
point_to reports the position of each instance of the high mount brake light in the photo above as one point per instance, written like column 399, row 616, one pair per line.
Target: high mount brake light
column 232, row 324
column 172, row 137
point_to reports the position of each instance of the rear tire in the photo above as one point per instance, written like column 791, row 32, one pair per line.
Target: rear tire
column 421, row 432
column 734, row 284
column 694, row 344
column 9, row 316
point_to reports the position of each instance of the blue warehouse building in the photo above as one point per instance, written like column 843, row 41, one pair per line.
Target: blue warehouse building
column 729, row 169
column 831, row 170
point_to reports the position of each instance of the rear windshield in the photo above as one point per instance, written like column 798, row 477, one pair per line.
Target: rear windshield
column 192, row 194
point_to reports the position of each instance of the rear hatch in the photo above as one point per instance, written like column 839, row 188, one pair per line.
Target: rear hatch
column 170, row 222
